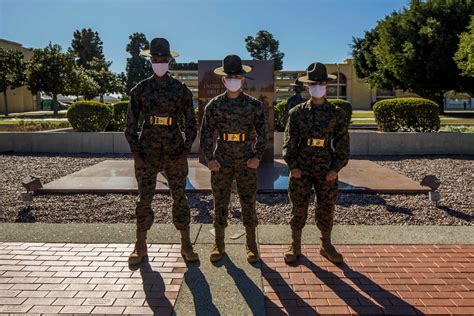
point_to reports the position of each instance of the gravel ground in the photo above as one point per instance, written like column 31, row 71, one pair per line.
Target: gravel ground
column 456, row 205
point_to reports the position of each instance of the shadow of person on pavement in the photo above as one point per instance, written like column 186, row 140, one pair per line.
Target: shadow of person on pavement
column 154, row 288
column 377, row 300
column 200, row 290
column 252, row 294
column 286, row 295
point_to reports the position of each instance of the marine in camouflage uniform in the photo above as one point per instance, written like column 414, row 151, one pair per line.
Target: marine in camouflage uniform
column 161, row 101
column 234, row 115
column 295, row 99
column 316, row 148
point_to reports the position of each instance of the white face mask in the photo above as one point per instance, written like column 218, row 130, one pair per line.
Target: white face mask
column 317, row 91
column 233, row 85
column 160, row 69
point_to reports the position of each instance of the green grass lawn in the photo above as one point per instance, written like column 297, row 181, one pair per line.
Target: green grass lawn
column 9, row 122
column 33, row 115
column 362, row 114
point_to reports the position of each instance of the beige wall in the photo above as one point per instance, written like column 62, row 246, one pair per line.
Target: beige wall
column 20, row 99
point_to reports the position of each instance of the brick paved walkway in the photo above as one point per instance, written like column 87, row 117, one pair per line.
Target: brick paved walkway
column 424, row 279
column 87, row 278
column 376, row 279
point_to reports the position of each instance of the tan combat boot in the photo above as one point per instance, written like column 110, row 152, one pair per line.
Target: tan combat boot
column 251, row 245
column 186, row 246
column 291, row 255
column 219, row 247
column 140, row 251
column 327, row 249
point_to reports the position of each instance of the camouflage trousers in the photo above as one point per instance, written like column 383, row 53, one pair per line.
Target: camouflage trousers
column 299, row 191
column 221, row 183
column 175, row 173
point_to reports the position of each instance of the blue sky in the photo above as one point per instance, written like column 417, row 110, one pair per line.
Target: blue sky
column 308, row 30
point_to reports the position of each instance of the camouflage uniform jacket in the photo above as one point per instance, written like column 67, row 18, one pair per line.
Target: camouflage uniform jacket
column 318, row 122
column 156, row 100
column 243, row 114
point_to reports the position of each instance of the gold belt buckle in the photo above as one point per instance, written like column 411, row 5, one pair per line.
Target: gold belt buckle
column 161, row 120
column 316, row 142
column 233, row 137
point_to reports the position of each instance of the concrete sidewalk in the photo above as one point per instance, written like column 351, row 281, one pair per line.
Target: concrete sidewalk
column 82, row 268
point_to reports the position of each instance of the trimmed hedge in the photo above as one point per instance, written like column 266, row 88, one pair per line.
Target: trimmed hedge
column 279, row 115
column 407, row 115
column 90, row 116
column 345, row 105
column 119, row 116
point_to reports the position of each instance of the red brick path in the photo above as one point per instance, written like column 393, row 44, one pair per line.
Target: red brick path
column 87, row 278
column 385, row 279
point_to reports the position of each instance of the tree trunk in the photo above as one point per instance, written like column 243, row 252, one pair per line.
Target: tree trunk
column 101, row 98
column 439, row 99
column 6, row 102
column 55, row 105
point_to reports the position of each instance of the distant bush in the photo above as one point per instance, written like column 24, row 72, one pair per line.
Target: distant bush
column 90, row 116
column 41, row 125
column 458, row 128
column 407, row 115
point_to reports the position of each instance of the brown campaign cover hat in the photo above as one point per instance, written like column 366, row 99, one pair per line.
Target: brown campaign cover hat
column 232, row 66
column 316, row 72
column 159, row 47
column 297, row 83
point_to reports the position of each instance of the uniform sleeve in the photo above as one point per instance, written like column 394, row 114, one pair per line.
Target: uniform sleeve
column 131, row 128
column 190, row 128
column 207, row 133
column 291, row 142
column 261, row 130
column 340, row 143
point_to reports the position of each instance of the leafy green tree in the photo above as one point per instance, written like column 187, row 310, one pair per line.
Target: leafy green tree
column 82, row 84
column 138, row 67
column 464, row 58
column 265, row 47
column 107, row 81
column 413, row 49
column 86, row 45
column 12, row 72
column 51, row 71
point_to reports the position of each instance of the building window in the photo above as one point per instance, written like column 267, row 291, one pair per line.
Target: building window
column 333, row 84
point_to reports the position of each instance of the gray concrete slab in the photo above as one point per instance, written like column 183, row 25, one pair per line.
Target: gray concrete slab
column 118, row 176
column 205, row 237
column 372, row 234
column 230, row 287
column 267, row 234
column 89, row 233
